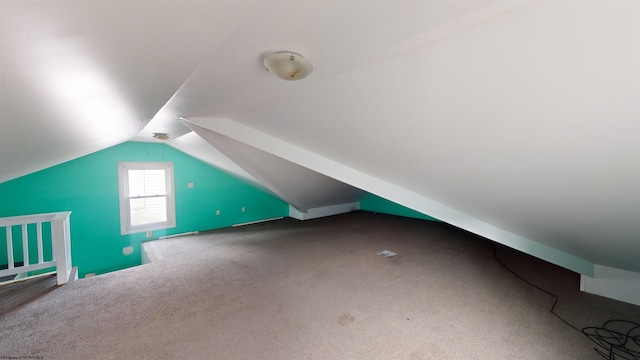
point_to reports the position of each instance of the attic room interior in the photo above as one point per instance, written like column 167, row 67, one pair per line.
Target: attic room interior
column 320, row 180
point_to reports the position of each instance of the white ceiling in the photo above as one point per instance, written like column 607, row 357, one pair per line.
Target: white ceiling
column 522, row 114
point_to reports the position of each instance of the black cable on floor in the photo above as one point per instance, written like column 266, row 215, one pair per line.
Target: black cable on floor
column 555, row 302
column 616, row 339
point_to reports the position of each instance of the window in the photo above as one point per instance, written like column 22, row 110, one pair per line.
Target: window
column 146, row 197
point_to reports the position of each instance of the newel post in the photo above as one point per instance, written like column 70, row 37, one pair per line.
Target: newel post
column 61, row 236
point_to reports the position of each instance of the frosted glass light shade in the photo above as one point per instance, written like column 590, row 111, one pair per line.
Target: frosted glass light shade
column 161, row 136
column 288, row 65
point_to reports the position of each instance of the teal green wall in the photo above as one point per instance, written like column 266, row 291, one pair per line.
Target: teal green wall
column 377, row 204
column 88, row 187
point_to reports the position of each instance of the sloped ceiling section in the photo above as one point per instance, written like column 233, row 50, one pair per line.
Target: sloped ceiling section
column 336, row 36
column 78, row 77
column 299, row 186
column 195, row 146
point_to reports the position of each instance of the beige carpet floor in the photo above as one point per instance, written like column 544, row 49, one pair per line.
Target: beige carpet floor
column 317, row 290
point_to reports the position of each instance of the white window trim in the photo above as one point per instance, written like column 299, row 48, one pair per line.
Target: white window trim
column 125, row 216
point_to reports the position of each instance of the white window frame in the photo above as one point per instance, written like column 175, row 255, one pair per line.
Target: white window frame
column 125, row 210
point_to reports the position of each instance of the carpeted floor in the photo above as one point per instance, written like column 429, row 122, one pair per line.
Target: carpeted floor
column 317, row 290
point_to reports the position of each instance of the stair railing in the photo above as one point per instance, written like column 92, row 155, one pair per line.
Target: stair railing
column 60, row 237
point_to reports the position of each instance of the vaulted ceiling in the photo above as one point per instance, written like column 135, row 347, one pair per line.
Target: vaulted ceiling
column 520, row 117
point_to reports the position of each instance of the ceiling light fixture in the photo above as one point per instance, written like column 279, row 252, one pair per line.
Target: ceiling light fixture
column 161, row 136
column 288, row 65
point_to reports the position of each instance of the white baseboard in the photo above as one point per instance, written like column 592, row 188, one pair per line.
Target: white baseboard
column 613, row 283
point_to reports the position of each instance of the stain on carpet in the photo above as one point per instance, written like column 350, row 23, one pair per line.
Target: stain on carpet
column 346, row 319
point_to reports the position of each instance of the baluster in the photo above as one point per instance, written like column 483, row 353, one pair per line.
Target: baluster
column 39, row 236
column 25, row 245
column 9, row 248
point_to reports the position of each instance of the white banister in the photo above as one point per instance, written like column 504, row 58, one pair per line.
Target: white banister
column 60, row 244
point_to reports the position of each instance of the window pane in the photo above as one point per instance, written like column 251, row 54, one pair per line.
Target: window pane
column 148, row 210
column 147, row 182
column 146, row 196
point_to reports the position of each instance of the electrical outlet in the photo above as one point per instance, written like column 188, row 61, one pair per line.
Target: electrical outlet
column 149, row 234
column 190, row 185
column 243, row 209
column 217, row 212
